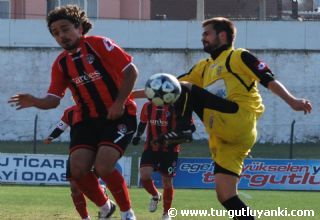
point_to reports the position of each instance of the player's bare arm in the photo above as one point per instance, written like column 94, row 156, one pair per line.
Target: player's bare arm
column 130, row 76
column 297, row 104
column 138, row 94
column 25, row 100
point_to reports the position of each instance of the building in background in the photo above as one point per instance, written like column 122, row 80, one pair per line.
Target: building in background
column 166, row 9
column 96, row 9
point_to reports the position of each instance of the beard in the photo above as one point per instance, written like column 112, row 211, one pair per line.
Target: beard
column 211, row 47
column 71, row 45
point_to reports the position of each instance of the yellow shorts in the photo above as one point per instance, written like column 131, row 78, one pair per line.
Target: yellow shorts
column 231, row 137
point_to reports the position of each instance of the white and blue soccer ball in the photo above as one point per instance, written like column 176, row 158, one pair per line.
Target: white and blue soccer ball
column 162, row 89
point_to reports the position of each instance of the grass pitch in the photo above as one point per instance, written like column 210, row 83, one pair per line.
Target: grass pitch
column 51, row 203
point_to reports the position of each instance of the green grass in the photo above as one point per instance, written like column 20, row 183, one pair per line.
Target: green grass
column 50, row 203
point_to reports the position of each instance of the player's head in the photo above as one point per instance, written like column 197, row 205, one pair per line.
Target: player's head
column 67, row 24
column 217, row 31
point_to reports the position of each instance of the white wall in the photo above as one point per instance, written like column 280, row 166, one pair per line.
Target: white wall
column 290, row 48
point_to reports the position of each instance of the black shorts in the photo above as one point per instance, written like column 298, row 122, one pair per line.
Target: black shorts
column 164, row 162
column 96, row 132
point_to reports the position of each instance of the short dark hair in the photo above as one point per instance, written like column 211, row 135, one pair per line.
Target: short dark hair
column 220, row 24
column 72, row 13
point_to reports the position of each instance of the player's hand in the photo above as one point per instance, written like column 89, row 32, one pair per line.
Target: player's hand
column 21, row 101
column 115, row 111
column 136, row 140
column 301, row 105
column 48, row 140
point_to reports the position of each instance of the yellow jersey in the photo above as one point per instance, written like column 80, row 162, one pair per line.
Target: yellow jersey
column 233, row 75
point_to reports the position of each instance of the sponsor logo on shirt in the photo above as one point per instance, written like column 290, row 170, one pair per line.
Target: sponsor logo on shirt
column 87, row 78
column 158, row 122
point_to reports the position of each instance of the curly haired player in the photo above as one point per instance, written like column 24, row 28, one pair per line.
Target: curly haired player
column 100, row 76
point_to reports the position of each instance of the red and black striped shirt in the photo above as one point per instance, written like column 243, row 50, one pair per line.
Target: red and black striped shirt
column 159, row 120
column 93, row 74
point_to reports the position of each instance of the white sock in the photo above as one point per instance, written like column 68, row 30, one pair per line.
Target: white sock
column 104, row 210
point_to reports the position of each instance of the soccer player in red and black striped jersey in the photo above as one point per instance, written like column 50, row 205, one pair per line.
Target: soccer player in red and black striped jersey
column 100, row 76
column 155, row 157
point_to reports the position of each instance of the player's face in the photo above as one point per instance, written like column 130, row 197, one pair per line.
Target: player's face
column 210, row 39
column 66, row 34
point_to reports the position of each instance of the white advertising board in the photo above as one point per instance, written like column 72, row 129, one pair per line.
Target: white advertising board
column 45, row 169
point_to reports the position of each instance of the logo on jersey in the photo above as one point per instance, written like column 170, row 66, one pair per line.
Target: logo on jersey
column 217, row 69
column 90, row 58
column 108, row 44
column 122, row 128
column 87, row 78
column 158, row 122
column 62, row 125
column 262, row 66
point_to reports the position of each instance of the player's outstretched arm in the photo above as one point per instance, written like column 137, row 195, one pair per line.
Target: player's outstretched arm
column 138, row 94
column 297, row 104
column 25, row 100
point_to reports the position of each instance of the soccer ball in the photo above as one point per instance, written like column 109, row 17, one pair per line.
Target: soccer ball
column 162, row 89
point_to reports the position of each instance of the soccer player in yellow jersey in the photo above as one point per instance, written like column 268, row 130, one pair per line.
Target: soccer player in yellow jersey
column 223, row 92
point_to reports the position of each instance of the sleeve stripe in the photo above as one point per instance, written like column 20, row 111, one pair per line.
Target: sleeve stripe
column 54, row 95
column 126, row 67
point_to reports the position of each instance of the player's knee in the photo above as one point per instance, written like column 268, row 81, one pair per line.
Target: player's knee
column 224, row 196
column 167, row 182
column 145, row 175
column 103, row 169
column 78, row 173
column 75, row 191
